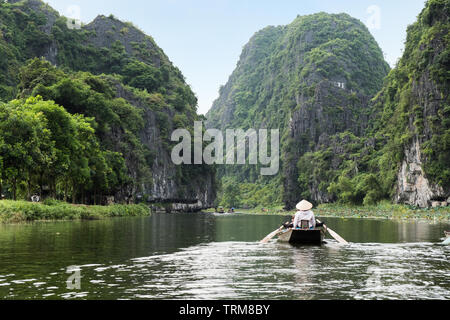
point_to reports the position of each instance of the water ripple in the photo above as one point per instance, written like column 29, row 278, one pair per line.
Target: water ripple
column 242, row 270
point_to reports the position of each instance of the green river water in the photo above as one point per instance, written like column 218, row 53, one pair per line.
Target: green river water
column 207, row 256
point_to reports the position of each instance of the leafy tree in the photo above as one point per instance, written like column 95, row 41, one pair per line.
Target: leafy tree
column 231, row 196
column 26, row 144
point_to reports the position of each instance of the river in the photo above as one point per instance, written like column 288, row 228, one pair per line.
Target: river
column 206, row 256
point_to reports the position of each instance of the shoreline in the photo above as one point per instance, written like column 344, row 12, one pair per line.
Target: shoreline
column 381, row 211
column 18, row 212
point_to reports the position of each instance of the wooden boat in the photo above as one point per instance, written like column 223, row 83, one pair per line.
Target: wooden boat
column 303, row 236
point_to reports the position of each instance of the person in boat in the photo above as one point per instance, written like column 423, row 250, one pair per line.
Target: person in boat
column 304, row 213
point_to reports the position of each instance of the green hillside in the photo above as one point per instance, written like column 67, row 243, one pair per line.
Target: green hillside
column 100, row 104
column 289, row 78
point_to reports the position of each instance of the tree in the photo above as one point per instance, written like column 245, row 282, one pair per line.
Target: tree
column 231, row 195
column 26, row 144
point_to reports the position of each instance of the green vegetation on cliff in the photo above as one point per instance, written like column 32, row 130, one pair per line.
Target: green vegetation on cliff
column 413, row 106
column 93, row 111
column 351, row 131
column 31, row 28
column 315, row 77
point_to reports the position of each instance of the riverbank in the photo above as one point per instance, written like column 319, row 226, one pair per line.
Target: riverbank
column 22, row 211
column 383, row 210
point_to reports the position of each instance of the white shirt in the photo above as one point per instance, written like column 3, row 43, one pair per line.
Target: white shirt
column 304, row 215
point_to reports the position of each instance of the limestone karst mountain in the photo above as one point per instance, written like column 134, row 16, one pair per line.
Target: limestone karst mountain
column 352, row 131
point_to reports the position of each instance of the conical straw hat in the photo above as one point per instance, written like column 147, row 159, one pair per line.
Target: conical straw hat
column 304, row 205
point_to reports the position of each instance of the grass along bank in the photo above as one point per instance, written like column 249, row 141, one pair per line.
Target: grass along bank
column 383, row 210
column 23, row 211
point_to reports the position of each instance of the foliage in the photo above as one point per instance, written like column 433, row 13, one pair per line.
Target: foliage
column 22, row 211
column 413, row 105
column 101, row 87
column 281, row 70
column 44, row 146
column 249, row 195
column 21, row 36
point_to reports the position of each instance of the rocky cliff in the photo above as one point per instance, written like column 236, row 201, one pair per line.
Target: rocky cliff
column 412, row 186
column 311, row 79
column 329, row 111
column 403, row 152
column 418, row 90
column 351, row 132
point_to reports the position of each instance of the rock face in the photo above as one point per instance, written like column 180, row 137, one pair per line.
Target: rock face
column 424, row 175
column 166, row 187
column 413, row 187
column 198, row 193
column 311, row 127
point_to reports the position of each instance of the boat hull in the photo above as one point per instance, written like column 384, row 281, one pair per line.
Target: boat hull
column 315, row 236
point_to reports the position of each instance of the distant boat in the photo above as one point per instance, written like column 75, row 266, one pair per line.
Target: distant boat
column 220, row 210
column 303, row 236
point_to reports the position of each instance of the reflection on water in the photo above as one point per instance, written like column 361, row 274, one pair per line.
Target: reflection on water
column 208, row 257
